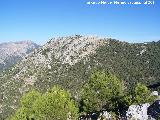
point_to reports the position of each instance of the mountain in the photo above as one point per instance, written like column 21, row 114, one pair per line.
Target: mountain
column 69, row 61
column 12, row 52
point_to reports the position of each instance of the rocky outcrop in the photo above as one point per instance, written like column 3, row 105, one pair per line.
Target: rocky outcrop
column 138, row 112
column 72, row 49
column 105, row 116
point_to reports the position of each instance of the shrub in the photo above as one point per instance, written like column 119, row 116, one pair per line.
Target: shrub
column 102, row 92
column 56, row 104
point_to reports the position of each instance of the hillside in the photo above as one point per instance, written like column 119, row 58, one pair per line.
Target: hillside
column 69, row 61
column 12, row 52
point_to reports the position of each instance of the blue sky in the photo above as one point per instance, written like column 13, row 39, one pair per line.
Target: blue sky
column 40, row 20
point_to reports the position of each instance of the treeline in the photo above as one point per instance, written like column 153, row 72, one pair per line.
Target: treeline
column 102, row 92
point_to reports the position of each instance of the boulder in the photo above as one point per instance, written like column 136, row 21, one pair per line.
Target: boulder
column 105, row 116
column 138, row 112
column 155, row 93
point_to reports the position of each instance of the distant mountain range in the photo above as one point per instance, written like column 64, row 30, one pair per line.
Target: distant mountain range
column 69, row 61
column 12, row 52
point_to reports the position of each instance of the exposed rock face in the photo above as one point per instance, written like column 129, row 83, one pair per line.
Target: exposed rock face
column 74, row 48
column 144, row 111
column 135, row 112
column 12, row 52
column 155, row 93
column 138, row 112
column 105, row 116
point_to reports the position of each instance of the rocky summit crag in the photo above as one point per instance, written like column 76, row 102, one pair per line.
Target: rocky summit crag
column 69, row 61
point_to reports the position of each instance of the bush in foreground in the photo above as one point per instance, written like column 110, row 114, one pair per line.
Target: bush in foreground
column 102, row 92
column 55, row 104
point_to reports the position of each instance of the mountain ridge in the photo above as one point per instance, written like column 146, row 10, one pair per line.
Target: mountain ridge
column 69, row 61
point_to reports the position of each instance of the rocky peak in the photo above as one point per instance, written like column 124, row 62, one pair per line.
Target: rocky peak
column 11, row 52
column 71, row 49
